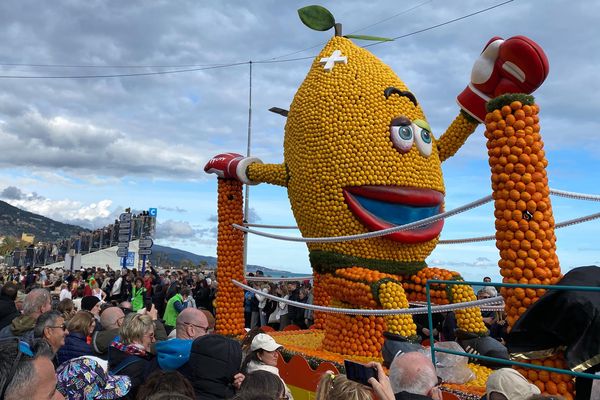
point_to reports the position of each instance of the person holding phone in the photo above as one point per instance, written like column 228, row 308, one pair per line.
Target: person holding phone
column 413, row 377
column 339, row 387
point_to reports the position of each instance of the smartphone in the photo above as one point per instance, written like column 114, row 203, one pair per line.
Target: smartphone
column 148, row 305
column 359, row 372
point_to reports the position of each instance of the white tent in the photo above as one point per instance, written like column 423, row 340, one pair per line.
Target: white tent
column 102, row 258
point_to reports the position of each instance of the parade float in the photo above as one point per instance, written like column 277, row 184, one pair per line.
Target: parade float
column 359, row 158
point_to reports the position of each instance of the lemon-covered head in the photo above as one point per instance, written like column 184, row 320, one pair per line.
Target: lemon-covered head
column 361, row 156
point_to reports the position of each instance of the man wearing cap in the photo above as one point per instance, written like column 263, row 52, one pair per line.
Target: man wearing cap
column 413, row 377
column 509, row 384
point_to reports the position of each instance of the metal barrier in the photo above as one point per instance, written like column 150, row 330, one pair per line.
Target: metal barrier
column 500, row 360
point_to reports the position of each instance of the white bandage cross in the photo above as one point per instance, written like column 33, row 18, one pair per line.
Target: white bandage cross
column 334, row 58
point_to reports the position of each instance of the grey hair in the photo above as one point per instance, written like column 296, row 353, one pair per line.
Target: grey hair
column 24, row 381
column 45, row 320
column 410, row 376
column 35, row 300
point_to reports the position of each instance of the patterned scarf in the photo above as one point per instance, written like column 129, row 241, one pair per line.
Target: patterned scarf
column 131, row 349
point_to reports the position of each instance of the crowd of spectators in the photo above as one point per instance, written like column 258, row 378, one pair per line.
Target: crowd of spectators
column 100, row 334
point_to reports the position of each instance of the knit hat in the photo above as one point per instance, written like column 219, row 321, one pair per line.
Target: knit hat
column 87, row 378
column 511, row 384
column 89, row 302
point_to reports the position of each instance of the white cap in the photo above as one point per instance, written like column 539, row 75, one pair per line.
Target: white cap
column 511, row 384
column 208, row 281
column 264, row 342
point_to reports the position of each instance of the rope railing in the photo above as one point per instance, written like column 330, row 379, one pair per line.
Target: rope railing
column 360, row 311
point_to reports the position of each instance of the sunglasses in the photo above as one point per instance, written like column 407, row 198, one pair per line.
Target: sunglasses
column 197, row 326
column 63, row 327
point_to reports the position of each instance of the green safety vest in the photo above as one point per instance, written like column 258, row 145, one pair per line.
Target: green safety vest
column 137, row 298
column 170, row 311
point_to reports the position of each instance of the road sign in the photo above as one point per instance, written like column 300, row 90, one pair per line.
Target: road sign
column 130, row 259
column 125, row 231
column 124, row 238
column 152, row 212
column 146, row 243
column 123, row 245
column 145, row 252
column 122, row 252
column 125, row 217
column 124, row 225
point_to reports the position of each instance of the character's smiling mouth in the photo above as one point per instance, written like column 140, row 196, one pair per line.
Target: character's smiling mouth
column 381, row 207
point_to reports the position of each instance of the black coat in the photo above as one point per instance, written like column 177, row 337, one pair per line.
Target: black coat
column 137, row 371
column 8, row 311
column 214, row 360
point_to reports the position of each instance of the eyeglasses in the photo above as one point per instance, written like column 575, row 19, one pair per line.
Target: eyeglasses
column 197, row 326
column 63, row 327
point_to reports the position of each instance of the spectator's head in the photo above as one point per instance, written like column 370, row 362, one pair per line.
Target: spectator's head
column 483, row 294
column 91, row 304
column 112, row 318
column 250, row 335
column 83, row 323
column 37, row 302
column 487, row 279
column 27, row 373
column 166, row 382
column 185, row 293
column 87, row 377
column 264, row 382
column 338, row 387
column 51, row 327
column 139, row 282
column 67, row 308
column 126, row 306
column 211, row 320
column 138, row 329
column 264, row 350
column 509, row 384
column 414, row 373
column 191, row 324
column 9, row 290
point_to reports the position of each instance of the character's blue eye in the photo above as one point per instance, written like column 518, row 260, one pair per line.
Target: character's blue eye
column 405, row 132
column 426, row 136
column 402, row 137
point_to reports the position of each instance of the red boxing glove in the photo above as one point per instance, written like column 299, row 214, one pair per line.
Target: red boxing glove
column 515, row 65
column 231, row 166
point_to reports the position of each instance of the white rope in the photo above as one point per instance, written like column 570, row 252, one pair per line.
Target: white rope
column 271, row 226
column 274, row 279
column 369, row 235
column 574, row 195
column 354, row 311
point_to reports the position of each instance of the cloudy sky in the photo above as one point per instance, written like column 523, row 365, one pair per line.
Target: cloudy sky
column 79, row 143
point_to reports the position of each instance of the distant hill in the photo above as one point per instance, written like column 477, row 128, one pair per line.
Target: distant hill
column 14, row 222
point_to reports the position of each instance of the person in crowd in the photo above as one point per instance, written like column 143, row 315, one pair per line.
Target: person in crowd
column 247, row 341
column 214, row 367
column 298, row 317
column 173, row 308
column 188, row 299
column 91, row 304
column 172, row 354
column 87, row 377
column 165, row 382
column 266, row 383
column 509, row 384
column 67, row 308
column 99, row 293
column 8, row 309
column 80, row 327
column 65, row 293
column 115, row 292
column 126, row 306
column 293, row 311
column 111, row 320
column 202, row 295
column 138, row 294
column 247, row 309
column 309, row 317
column 413, row 376
column 338, row 387
column 27, row 372
column 126, row 286
column 51, row 327
column 78, row 297
column 158, row 297
column 283, row 310
column 211, row 320
column 488, row 316
column 264, row 352
column 36, row 303
column 130, row 355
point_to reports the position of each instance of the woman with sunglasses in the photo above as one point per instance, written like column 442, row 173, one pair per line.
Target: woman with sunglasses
column 129, row 354
column 80, row 327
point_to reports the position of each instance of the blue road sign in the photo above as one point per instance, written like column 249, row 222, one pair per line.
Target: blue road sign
column 152, row 212
column 130, row 258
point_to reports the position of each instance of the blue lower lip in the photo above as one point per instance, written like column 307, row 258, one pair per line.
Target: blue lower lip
column 396, row 214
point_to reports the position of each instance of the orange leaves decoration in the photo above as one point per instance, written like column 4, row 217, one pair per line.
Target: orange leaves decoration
column 230, row 258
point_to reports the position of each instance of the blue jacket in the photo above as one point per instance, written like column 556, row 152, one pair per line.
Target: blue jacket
column 172, row 354
column 75, row 346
